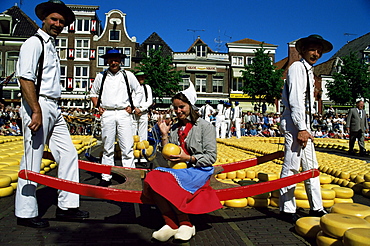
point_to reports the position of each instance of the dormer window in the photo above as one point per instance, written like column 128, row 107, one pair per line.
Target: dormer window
column 5, row 24
column 201, row 50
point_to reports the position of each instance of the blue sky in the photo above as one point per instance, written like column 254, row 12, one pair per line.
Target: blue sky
column 277, row 22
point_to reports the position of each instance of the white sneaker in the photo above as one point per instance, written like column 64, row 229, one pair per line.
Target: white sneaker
column 165, row 233
column 185, row 233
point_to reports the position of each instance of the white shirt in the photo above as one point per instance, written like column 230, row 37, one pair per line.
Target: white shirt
column 237, row 112
column 220, row 109
column 28, row 59
column 145, row 103
column 295, row 101
column 206, row 110
column 114, row 95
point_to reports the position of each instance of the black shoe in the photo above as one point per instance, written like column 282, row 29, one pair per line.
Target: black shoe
column 104, row 183
column 71, row 213
column 33, row 222
column 351, row 153
column 289, row 217
column 317, row 213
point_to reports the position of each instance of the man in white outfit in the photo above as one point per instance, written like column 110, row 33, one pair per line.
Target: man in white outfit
column 220, row 117
column 237, row 119
column 42, row 120
column 117, row 94
column 298, row 99
column 226, row 128
column 140, row 120
column 207, row 111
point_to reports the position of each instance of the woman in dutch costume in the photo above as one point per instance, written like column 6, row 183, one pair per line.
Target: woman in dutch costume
column 180, row 192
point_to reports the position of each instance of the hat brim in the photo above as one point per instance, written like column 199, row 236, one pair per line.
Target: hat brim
column 106, row 56
column 42, row 10
column 326, row 45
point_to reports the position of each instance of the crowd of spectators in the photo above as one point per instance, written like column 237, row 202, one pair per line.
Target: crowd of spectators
column 10, row 120
column 328, row 125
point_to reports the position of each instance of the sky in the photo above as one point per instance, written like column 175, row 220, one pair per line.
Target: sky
column 180, row 22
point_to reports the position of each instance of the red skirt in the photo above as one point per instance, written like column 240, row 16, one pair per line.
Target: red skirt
column 204, row 200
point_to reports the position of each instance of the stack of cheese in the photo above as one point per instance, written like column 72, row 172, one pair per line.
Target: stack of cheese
column 140, row 145
column 346, row 224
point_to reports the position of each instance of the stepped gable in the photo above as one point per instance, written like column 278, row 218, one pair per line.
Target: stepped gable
column 24, row 27
column 357, row 45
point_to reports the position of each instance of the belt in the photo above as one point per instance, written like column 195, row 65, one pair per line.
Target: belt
column 50, row 98
column 118, row 108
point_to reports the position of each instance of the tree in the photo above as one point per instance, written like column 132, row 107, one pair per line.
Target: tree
column 162, row 77
column 351, row 83
column 262, row 81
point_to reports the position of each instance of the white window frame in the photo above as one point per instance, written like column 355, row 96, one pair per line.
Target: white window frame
column 62, row 49
column 236, row 84
column 201, row 50
column 184, row 83
column 126, row 62
column 237, row 61
column 119, row 35
column 63, row 76
column 249, row 60
column 83, row 29
column 82, row 52
column 217, row 82
column 11, row 61
column 80, row 79
column 201, row 84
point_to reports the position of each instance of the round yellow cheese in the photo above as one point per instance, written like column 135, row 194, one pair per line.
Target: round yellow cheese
column 335, row 225
column 231, row 175
column 325, row 179
column 5, row 181
column 327, row 203
column 302, row 203
column 240, row 174
column 343, row 200
column 324, row 240
column 274, row 201
column 308, row 226
column 327, row 194
column 329, row 186
column 258, row 202
column 354, row 209
column 300, row 193
column 366, row 185
column 6, row 191
column 237, row 203
column 275, row 193
column 12, row 174
column 250, row 174
column 221, row 175
column 367, row 177
column 14, row 185
column 357, row 237
column 343, row 192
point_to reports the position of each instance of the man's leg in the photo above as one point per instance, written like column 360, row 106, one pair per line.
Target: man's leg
column 125, row 139
column 108, row 125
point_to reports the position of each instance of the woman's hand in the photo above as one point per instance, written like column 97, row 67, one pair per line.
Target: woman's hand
column 182, row 157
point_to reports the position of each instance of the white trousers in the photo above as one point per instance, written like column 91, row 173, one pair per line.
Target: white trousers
column 219, row 123
column 226, row 129
column 140, row 126
column 238, row 122
column 54, row 133
column 295, row 157
column 117, row 122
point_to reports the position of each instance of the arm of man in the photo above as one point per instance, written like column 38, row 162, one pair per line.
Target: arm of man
column 29, row 94
column 297, row 94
